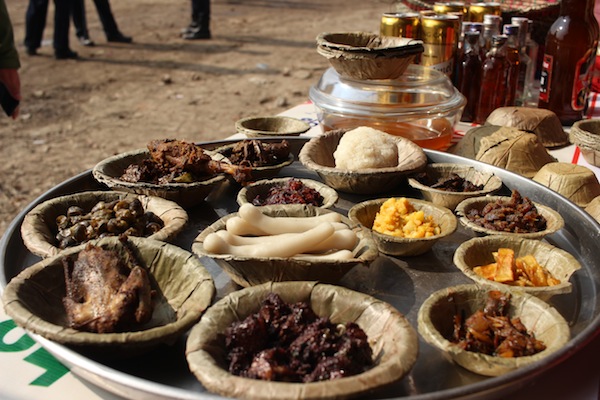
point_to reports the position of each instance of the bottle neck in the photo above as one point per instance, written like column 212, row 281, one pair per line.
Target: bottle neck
column 472, row 44
column 574, row 9
column 497, row 49
column 512, row 41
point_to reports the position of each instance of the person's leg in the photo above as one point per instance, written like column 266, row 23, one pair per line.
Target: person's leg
column 62, row 17
column 109, row 24
column 35, row 23
column 200, row 26
column 80, row 23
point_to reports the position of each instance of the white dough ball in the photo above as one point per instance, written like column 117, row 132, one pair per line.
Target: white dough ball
column 366, row 147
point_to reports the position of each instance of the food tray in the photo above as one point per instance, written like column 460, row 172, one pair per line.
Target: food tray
column 403, row 282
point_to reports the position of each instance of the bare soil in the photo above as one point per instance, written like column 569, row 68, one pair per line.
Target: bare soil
column 261, row 60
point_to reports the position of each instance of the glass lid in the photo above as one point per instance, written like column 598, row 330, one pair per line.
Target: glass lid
column 421, row 90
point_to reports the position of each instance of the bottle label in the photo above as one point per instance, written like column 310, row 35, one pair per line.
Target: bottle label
column 545, row 77
column 581, row 81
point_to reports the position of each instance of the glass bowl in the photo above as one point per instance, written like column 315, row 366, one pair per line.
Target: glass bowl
column 421, row 105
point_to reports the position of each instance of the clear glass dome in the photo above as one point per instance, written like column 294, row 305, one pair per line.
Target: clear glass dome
column 421, row 105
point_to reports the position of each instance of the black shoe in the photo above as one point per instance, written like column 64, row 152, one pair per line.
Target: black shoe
column 196, row 35
column 65, row 55
column 31, row 51
column 119, row 38
column 86, row 41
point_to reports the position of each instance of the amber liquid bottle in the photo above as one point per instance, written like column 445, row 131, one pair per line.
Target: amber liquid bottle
column 469, row 74
column 492, row 93
column 568, row 61
column 514, row 63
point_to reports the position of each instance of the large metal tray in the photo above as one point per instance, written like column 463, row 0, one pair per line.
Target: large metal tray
column 404, row 283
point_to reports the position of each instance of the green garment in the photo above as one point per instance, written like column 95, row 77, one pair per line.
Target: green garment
column 9, row 58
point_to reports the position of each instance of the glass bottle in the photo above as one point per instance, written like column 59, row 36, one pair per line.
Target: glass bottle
column 492, row 92
column 526, row 65
column 568, row 62
column 466, row 27
column 469, row 74
column 593, row 23
column 533, row 50
column 491, row 27
column 514, row 63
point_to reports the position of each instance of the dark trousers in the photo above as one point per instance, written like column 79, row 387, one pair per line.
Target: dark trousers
column 35, row 23
column 104, row 13
column 201, row 13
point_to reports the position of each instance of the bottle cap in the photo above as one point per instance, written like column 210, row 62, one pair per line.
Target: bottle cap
column 492, row 19
column 510, row 30
column 519, row 20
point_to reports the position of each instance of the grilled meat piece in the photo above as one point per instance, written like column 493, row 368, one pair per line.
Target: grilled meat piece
column 104, row 292
column 256, row 153
column 179, row 161
column 178, row 156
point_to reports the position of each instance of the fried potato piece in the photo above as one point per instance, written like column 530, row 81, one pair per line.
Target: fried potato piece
column 522, row 271
column 505, row 271
column 487, row 271
column 537, row 274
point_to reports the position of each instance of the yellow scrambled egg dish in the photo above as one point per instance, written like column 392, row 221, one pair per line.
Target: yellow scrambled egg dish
column 398, row 217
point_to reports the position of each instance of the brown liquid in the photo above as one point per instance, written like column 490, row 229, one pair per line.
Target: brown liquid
column 568, row 61
column 493, row 91
column 429, row 134
column 514, row 66
column 469, row 75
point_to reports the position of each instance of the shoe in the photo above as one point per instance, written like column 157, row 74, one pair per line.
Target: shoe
column 191, row 28
column 31, row 51
column 86, row 41
column 65, row 55
column 119, row 38
column 197, row 35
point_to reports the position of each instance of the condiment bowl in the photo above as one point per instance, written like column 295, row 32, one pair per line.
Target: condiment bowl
column 258, row 172
column 39, row 227
column 110, row 170
column 363, row 55
column 364, row 214
column 392, row 339
column 317, row 155
column 250, row 271
column 436, row 324
column 184, row 289
column 256, row 127
column 441, row 171
column 554, row 221
column 262, row 188
column 478, row 252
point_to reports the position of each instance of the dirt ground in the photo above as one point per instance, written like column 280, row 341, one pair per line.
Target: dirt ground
column 116, row 97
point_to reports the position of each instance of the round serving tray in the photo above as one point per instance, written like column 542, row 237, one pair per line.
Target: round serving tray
column 403, row 282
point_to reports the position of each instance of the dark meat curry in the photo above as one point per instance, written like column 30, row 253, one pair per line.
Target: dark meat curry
column 289, row 342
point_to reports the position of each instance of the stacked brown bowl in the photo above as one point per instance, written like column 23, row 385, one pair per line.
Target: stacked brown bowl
column 362, row 55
